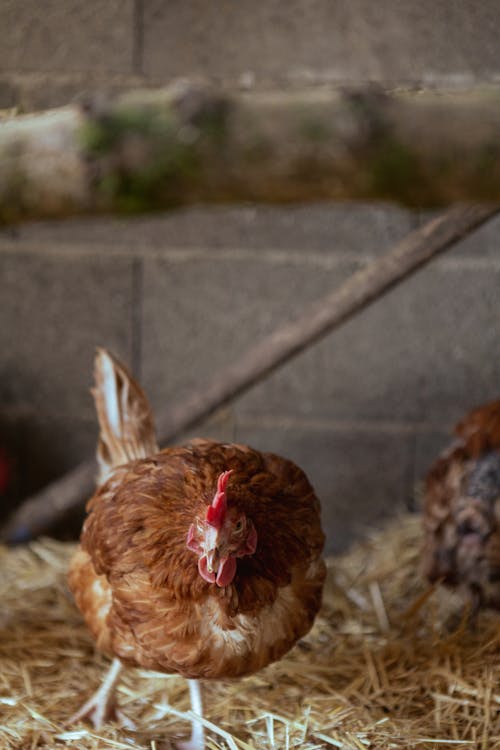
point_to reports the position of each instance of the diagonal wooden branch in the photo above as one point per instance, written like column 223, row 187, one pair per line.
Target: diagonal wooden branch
column 191, row 143
column 38, row 514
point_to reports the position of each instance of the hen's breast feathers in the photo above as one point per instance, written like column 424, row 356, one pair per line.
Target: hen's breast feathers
column 151, row 607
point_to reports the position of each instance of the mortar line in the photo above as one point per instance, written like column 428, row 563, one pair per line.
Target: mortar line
column 179, row 255
column 272, row 256
column 136, row 317
column 375, row 426
column 138, row 38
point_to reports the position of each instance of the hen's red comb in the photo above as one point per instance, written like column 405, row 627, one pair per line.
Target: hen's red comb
column 215, row 512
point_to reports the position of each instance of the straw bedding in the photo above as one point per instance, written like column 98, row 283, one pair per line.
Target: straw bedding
column 389, row 664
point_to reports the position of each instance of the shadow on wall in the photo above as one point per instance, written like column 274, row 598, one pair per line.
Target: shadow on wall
column 34, row 452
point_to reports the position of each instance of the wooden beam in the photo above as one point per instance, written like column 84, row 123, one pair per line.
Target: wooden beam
column 191, row 143
column 38, row 514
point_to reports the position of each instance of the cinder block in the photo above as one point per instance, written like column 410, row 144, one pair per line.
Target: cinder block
column 8, row 94
column 480, row 245
column 345, row 41
column 364, row 370
column 428, row 446
column 221, row 427
column 427, row 351
column 361, row 478
column 11, row 448
column 456, row 314
column 357, row 229
column 74, row 35
column 41, row 449
column 55, row 310
column 50, row 446
column 201, row 313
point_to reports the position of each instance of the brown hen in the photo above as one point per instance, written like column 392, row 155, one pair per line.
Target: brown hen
column 462, row 510
column 203, row 559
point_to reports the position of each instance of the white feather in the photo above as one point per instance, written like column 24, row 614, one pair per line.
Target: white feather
column 110, row 394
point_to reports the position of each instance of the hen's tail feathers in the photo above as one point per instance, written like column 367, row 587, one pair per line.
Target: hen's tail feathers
column 126, row 423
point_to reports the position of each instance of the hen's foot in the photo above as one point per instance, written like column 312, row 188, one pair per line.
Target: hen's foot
column 197, row 740
column 101, row 707
column 190, row 745
column 99, row 712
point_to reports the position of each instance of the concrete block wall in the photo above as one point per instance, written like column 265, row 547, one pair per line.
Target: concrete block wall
column 177, row 296
column 55, row 51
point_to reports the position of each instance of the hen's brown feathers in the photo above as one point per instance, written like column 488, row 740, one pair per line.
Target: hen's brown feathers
column 134, row 578
column 161, row 613
column 462, row 508
column 480, row 430
column 478, row 434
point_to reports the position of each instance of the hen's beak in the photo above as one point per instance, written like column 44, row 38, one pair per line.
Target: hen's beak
column 214, row 566
column 213, row 558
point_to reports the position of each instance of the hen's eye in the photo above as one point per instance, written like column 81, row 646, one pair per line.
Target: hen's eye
column 239, row 526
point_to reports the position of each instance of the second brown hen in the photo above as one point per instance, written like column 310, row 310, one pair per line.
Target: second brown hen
column 462, row 510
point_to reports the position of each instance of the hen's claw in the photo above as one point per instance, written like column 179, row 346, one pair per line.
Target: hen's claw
column 101, row 712
column 101, row 706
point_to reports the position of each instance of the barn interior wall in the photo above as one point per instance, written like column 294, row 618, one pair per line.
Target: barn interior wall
column 178, row 296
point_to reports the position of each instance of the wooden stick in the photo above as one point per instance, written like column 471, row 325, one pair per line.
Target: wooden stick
column 191, row 143
column 39, row 513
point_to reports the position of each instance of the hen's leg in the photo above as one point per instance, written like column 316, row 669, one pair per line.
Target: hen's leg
column 196, row 741
column 101, row 706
